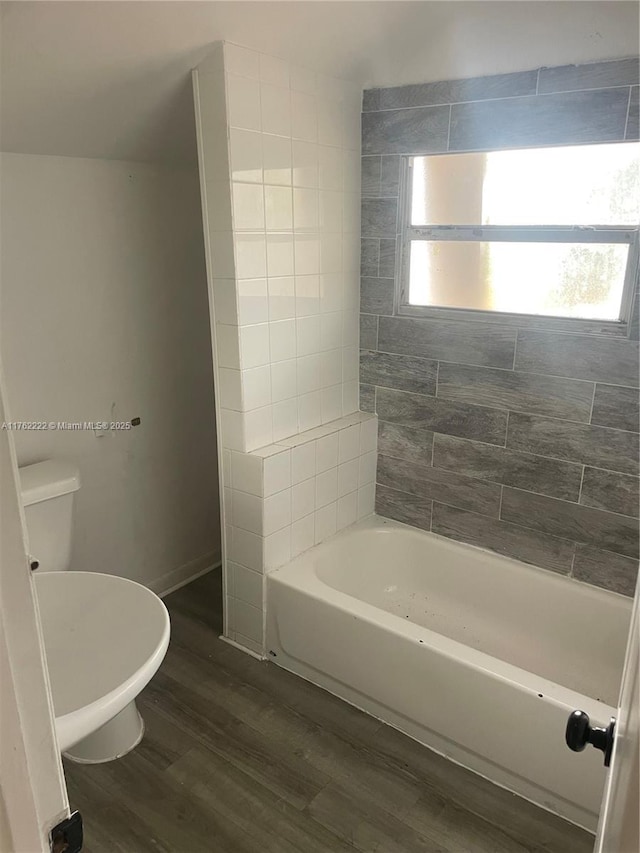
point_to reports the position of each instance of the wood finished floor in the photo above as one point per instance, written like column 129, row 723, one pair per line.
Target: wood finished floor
column 239, row 756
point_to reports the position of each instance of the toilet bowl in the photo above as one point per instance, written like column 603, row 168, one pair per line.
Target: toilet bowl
column 104, row 636
column 104, row 639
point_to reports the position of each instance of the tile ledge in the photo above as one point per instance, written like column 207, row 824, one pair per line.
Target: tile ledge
column 311, row 434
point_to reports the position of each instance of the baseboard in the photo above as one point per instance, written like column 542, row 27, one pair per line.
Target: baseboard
column 176, row 578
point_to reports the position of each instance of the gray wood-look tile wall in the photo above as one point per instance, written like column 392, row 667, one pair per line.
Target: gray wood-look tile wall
column 522, row 441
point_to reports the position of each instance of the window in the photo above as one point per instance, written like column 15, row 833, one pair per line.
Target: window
column 548, row 232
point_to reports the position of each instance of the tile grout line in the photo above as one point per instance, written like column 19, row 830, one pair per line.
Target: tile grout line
column 449, row 128
column 556, row 535
column 573, row 558
column 584, row 468
column 593, row 400
column 520, row 525
column 607, row 330
column 500, row 504
column 515, row 350
column 503, row 409
column 612, row 471
column 494, row 367
column 626, row 121
column 521, row 489
column 408, row 107
column 528, row 491
column 571, row 503
column 573, row 463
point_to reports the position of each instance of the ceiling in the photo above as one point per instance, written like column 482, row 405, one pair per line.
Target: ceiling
column 111, row 79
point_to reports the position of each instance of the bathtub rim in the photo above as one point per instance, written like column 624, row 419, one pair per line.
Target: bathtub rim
column 302, row 568
column 375, row 522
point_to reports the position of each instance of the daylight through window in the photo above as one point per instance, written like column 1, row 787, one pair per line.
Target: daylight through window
column 545, row 231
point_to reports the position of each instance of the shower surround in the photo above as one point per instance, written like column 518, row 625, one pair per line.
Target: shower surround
column 522, row 439
column 279, row 159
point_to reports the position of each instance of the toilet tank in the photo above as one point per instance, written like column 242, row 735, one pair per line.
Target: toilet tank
column 47, row 496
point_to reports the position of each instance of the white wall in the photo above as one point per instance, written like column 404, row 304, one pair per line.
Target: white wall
column 428, row 41
column 105, row 317
column 71, row 72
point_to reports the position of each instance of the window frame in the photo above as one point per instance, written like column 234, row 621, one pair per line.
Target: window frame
column 407, row 233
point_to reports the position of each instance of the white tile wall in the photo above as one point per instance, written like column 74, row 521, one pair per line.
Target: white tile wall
column 248, row 207
column 274, row 70
column 250, row 254
column 302, row 534
column 348, row 477
column 280, row 254
column 308, row 335
column 278, row 486
column 303, row 497
column 285, row 418
column 233, row 429
column 282, row 297
column 258, row 426
column 277, row 471
column 247, row 620
column 276, row 109
column 246, row 155
column 326, row 522
column 281, row 151
column 278, row 202
column 256, row 387
column 276, row 158
column 253, row 301
column 294, row 160
column 240, row 60
column 305, row 163
column 347, row 506
column 247, row 585
column 254, row 345
column 243, row 102
column 331, row 403
column 282, row 337
column 309, row 410
column 307, row 292
column 284, row 384
column 326, row 453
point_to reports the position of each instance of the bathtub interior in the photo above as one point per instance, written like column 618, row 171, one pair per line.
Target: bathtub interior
column 552, row 626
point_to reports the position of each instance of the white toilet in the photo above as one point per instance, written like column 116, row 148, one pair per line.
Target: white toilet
column 104, row 636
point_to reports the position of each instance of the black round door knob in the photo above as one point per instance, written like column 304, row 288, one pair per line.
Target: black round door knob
column 580, row 732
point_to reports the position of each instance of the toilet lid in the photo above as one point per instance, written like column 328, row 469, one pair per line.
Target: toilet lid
column 99, row 631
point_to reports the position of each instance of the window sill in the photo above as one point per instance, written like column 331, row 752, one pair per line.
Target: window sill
column 608, row 328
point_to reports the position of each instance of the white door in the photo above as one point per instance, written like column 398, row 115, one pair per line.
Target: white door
column 33, row 794
column 619, row 828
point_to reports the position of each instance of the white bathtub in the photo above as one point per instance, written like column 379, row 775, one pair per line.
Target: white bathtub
column 475, row 655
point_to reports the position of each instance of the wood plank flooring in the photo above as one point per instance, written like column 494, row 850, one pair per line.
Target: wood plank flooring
column 239, row 756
